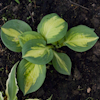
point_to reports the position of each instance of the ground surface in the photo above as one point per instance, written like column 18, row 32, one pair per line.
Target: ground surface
column 84, row 82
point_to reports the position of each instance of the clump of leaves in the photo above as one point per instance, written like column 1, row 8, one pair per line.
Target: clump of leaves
column 38, row 48
column 12, row 88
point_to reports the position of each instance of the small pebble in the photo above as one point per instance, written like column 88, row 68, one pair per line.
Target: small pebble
column 88, row 90
column 0, row 4
column 93, row 5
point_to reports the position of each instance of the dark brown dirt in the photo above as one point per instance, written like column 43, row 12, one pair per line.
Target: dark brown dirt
column 84, row 82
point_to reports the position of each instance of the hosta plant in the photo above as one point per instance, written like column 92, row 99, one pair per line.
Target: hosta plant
column 12, row 88
column 39, row 48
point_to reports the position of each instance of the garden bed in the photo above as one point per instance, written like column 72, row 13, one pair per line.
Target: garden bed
column 84, row 81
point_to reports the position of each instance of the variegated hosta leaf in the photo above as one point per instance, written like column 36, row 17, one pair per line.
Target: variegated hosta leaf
column 26, row 36
column 80, row 38
column 62, row 63
column 1, row 97
column 30, row 76
column 36, row 51
column 10, row 32
column 52, row 27
column 11, row 84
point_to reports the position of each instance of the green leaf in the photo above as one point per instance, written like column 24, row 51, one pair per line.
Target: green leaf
column 11, row 84
column 50, row 97
column 52, row 27
column 80, row 38
column 36, row 51
column 10, row 32
column 26, row 36
column 62, row 63
column 30, row 76
column 17, row 1
column 1, row 97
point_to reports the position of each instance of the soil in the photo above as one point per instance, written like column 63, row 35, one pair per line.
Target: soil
column 84, row 81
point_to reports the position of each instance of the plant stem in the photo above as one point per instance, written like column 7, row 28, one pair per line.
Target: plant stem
column 78, row 5
column 2, row 85
column 50, row 46
column 4, row 8
column 29, row 12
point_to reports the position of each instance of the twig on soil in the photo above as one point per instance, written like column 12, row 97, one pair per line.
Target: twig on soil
column 4, row 8
column 29, row 13
column 78, row 5
column 2, row 85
